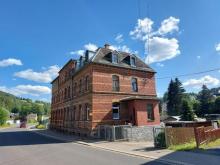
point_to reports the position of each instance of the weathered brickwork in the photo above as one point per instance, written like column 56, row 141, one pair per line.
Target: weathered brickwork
column 83, row 99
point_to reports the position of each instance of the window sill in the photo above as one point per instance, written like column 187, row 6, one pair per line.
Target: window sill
column 150, row 120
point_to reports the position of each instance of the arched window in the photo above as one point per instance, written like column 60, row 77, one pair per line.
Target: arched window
column 115, row 83
column 134, row 84
column 115, row 111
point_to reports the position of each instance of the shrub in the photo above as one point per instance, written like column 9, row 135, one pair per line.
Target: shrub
column 32, row 121
column 40, row 126
column 160, row 139
column 3, row 116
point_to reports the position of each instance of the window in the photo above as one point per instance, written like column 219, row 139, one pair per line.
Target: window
column 87, row 83
column 150, row 112
column 80, row 86
column 80, row 113
column 132, row 61
column 65, row 93
column 134, row 85
column 87, row 111
column 115, row 83
column 75, row 88
column 114, row 58
column 115, row 111
column 69, row 92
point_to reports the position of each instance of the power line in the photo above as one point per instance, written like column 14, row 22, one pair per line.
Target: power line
column 189, row 74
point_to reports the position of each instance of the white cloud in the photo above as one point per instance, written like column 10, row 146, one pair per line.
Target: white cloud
column 9, row 62
column 160, row 65
column 20, row 90
column 142, row 29
column 217, row 48
column 45, row 76
column 123, row 48
column 91, row 47
column 169, row 26
column 161, row 49
column 198, row 57
column 119, row 38
column 77, row 52
column 206, row 80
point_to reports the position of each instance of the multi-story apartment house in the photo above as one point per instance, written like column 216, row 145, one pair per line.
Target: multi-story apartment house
column 105, row 87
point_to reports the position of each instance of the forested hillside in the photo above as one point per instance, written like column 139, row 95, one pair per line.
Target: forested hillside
column 15, row 104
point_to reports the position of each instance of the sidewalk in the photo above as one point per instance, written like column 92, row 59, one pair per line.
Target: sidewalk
column 141, row 149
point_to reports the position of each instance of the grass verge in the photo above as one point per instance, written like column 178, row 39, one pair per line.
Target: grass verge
column 5, row 126
column 183, row 147
column 211, row 144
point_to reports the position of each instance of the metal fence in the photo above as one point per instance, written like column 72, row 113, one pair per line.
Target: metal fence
column 113, row 132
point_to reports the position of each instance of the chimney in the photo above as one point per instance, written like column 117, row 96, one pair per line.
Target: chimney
column 107, row 46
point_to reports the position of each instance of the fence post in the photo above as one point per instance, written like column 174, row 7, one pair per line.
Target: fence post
column 166, row 137
column 196, row 137
column 113, row 133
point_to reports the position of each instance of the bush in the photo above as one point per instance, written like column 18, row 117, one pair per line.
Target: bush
column 40, row 126
column 160, row 139
column 32, row 121
column 3, row 116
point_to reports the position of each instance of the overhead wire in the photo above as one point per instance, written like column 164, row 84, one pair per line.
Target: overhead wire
column 189, row 74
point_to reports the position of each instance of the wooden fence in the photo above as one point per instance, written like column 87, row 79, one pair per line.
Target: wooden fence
column 203, row 135
column 181, row 135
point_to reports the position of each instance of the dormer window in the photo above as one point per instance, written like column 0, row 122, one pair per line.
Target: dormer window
column 132, row 61
column 114, row 58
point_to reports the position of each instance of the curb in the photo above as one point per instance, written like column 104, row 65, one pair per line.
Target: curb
column 117, row 151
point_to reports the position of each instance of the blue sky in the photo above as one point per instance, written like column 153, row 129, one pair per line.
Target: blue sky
column 39, row 37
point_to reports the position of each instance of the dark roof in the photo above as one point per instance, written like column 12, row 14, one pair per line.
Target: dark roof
column 54, row 79
column 71, row 60
column 102, row 56
column 140, row 98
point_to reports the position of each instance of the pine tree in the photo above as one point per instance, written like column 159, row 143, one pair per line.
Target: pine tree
column 217, row 105
column 175, row 96
column 205, row 97
column 170, row 98
column 187, row 113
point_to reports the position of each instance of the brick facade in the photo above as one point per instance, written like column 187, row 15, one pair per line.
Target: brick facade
column 83, row 99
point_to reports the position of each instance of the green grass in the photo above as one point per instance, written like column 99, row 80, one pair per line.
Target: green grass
column 192, row 146
column 183, row 147
column 211, row 144
column 5, row 125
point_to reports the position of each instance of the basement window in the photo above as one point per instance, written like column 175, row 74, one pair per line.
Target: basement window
column 115, row 111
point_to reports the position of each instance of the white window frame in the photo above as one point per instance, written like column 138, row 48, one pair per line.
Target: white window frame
column 116, row 57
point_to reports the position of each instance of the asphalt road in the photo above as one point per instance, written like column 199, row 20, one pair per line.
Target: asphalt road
column 22, row 147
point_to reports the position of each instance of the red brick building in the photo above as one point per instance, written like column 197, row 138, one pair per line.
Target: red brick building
column 104, row 87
